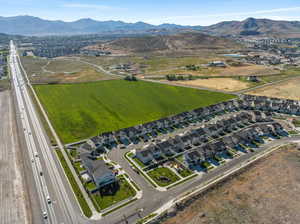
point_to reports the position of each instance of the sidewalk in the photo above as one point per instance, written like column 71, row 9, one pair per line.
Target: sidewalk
column 95, row 214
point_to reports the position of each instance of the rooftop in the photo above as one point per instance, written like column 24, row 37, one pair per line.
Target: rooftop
column 96, row 168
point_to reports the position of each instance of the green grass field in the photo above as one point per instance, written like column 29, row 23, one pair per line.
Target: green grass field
column 79, row 111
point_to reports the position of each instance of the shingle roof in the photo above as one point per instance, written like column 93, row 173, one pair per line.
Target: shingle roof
column 96, row 168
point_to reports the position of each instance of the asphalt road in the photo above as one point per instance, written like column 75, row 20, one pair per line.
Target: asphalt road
column 48, row 176
column 64, row 208
column 153, row 199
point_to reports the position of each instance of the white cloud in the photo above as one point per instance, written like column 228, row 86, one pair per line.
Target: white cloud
column 208, row 19
column 89, row 6
column 294, row 9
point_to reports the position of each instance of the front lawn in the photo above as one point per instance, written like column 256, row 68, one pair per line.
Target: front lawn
column 139, row 162
column 163, row 176
column 185, row 172
column 75, row 109
column 78, row 166
column 206, row 165
column 74, row 153
column 125, row 191
column 180, row 158
column 296, row 123
column 91, row 186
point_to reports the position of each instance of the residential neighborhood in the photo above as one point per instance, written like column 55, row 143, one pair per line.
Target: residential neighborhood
column 173, row 150
column 161, row 112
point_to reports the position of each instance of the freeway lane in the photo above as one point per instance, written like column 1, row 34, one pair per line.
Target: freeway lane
column 36, row 166
column 65, row 208
column 50, row 183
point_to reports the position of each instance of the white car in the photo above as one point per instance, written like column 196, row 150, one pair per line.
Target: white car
column 45, row 215
column 48, row 200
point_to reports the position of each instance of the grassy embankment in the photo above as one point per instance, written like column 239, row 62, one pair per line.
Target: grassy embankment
column 83, row 204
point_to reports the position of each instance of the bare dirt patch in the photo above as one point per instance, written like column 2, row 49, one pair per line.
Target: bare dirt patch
column 266, row 193
column 12, row 190
column 288, row 90
column 246, row 70
column 226, row 84
column 61, row 70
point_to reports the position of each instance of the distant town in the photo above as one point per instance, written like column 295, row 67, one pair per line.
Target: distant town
column 132, row 123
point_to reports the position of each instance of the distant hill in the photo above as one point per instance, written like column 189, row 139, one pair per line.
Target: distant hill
column 252, row 26
column 5, row 38
column 178, row 42
column 28, row 25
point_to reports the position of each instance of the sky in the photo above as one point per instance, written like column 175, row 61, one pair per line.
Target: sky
column 184, row 12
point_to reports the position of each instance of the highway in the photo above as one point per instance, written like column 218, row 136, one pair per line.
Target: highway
column 48, row 175
column 53, row 182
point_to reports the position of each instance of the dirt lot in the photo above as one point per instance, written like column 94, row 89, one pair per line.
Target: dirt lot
column 289, row 89
column 246, row 70
column 12, row 188
column 61, row 71
column 226, row 84
column 267, row 193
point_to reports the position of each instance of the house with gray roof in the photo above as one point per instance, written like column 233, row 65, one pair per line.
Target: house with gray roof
column 144, row 155
column 98, row 171
column 187, row 142
column 194, row 157
column 166, row 147
column 178, row 144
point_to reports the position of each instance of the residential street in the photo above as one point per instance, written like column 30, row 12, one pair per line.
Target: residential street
column 53, row 182
column 153, row 199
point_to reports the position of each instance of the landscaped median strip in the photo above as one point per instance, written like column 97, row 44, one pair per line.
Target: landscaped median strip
column 83, row 204
column 118, row 207
column 145, row 219
column 182, row 181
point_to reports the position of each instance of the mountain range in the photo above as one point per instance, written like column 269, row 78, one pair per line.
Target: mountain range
column 28, row 25
column 252, row 26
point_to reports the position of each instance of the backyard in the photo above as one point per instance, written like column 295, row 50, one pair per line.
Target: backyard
column 163, row 176
column 124, row 192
